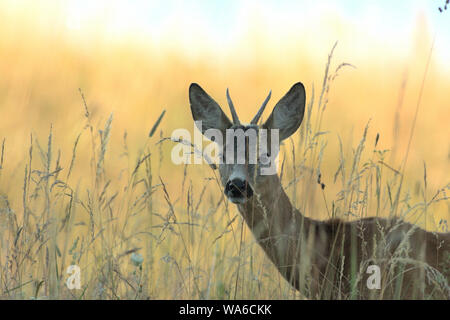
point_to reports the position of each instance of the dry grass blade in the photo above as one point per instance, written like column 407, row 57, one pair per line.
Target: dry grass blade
column 155, row 126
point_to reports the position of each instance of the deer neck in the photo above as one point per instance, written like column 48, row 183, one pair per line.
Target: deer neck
column 292, row 241
column 273, row 219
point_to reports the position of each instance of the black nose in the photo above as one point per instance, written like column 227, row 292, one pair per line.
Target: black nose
column 238, row 188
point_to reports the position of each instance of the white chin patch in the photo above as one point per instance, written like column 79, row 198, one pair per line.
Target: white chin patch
column 237, row 200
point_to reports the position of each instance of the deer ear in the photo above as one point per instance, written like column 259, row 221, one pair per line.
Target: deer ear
column 288, row 112
column 205, row 109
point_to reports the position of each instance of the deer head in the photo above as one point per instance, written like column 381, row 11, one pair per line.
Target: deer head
column 242, row 164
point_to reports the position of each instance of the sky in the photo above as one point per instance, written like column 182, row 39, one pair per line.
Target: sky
column 196, row 24
column 222, row 17
column 220, row 24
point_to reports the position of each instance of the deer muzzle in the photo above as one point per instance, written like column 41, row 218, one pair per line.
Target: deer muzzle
column 238, row 190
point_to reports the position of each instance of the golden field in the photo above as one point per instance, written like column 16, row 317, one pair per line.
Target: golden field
column 76, row 188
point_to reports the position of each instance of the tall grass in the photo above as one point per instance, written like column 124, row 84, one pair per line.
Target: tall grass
column 138, row 234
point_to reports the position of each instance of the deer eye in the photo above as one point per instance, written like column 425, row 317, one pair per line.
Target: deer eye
column 264, row 158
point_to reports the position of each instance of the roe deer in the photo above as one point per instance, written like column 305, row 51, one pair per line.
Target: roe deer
column 323, row 259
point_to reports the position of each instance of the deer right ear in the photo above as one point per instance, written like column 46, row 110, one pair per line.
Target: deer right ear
column 205, row 109
column 288, row 112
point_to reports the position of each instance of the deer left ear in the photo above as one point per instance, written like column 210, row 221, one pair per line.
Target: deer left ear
column 288, row 112
column 205, row 109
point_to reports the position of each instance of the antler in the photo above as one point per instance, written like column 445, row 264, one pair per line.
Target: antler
column 233, row 111
column 261, row 110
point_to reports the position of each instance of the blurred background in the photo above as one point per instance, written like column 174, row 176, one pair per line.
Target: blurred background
column 134, row 59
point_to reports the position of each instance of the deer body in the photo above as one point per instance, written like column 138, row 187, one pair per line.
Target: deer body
column 315, row 255
column 324, row 259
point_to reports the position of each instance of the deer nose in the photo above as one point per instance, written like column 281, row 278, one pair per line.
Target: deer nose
column 237, row 188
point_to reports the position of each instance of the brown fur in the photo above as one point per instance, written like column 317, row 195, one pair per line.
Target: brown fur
column 328, row 259
column 316, row 257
